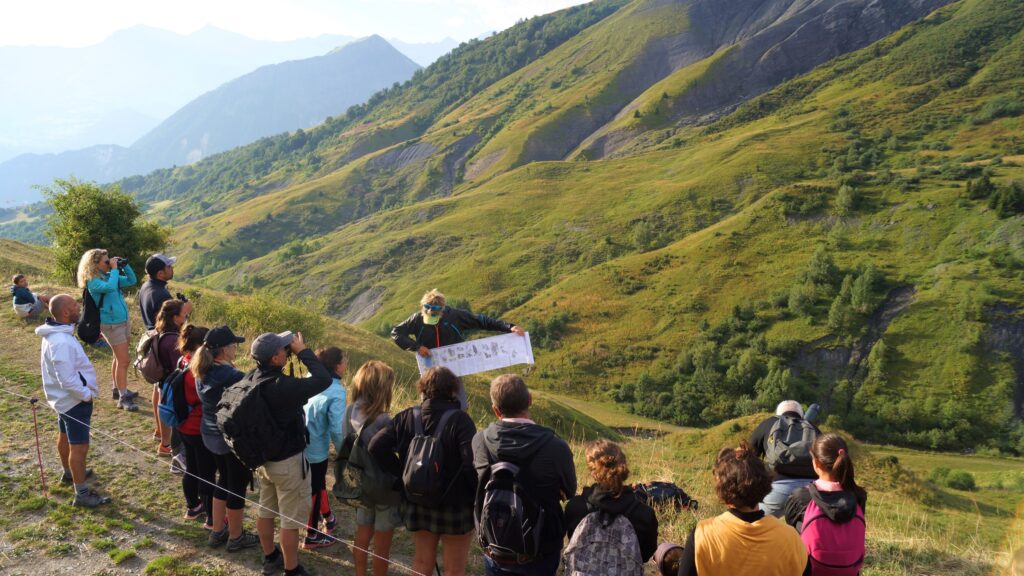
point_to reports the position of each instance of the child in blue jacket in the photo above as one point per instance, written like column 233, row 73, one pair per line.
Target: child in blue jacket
column 324, row 415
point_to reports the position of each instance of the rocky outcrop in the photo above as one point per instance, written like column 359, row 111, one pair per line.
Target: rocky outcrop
column 1005, row 333
column 770, row 42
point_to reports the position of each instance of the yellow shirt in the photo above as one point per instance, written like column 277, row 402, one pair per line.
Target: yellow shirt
column 728, row 546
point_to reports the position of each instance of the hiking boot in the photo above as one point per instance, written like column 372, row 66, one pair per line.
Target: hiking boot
column 130, row 395
column 275, row 566
column 90, row 500
column 197, row 513
column 330, row 523
column 67, row 480
column 317, row 540
column 218, row 539
column 178, row 464
column 127, row 404
column 164, row 450
column 244, row 540
column 299, row 571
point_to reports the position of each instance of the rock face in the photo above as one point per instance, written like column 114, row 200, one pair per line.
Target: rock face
column 768, row 42
column 1005, row 334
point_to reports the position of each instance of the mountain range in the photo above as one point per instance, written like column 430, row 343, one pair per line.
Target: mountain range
column 272, row 99
column 696, row 206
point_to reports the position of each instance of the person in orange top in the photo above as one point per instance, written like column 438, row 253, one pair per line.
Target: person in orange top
column 743, row 540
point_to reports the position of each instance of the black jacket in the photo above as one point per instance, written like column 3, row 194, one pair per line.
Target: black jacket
column 452, row 329
column 840, row 507
column 640, row 515
column 151, row 297
column 547, row 470
column 286, row 396
column 760, row 436
column 390, row 447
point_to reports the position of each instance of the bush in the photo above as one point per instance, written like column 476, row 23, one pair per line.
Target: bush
column 253, row 315
column 960, row 480
column 86, row 216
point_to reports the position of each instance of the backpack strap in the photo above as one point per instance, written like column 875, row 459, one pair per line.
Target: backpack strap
column 346, row 421
column 440, row 425
column 417, row 420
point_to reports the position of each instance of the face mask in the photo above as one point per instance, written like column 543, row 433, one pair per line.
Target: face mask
column 430, row 320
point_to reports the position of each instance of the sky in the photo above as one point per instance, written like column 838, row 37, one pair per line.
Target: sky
column 74, row 23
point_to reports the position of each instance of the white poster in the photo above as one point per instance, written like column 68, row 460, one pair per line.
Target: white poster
column 480, row 355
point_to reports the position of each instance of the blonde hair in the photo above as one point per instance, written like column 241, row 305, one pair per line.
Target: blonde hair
column 89, row 266
column 433, row 297
column 373, row 384
column 607, row 464
column 201, row 362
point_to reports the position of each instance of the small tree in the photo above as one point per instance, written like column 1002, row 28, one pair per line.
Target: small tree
column 802, row 298
column 846, row 200
column 822, row 269
column 862, row 293
column 86, row 216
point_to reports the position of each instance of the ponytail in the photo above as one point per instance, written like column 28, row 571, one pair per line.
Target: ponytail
column 832, row 454
column 202, row 360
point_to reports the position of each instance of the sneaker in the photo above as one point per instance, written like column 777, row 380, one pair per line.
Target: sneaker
column 318, row 540
column 197, row 513
column 218, row 539
column 156, row 434
column 90, row 500
column 244, row 540
column 129, row 394
column 67, row 480
column 164, row 450
column 275, row 566
column 330, row 523
column 178, row 464
column 299, row 571
column 209, row 524
column 127, row 404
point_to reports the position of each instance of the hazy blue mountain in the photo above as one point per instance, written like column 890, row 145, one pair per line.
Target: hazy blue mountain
column 424, row 54
column 272, row 99
column 113, row 92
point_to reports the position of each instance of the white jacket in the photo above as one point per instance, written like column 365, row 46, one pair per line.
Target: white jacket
column 68, row 375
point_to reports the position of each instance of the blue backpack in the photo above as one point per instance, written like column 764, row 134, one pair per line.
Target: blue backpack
column 173, row 408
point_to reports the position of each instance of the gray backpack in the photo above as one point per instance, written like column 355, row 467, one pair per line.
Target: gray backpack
column 603, row 545
column 787, row 449
column 359, row 480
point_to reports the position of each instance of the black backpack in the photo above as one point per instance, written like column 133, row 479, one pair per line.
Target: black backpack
column 89, row 323
column 788, row 447
column 664, row 494
column 248, row 426
column 510, row 522
column 422, row 476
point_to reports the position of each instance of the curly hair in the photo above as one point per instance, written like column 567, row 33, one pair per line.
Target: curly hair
column 89, row 266
column 433, row 297
column 332, row 357
column 439, row 383
column 607, row 464
column 741, row 479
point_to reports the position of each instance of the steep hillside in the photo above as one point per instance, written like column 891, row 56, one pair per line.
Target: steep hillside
column 685, row 281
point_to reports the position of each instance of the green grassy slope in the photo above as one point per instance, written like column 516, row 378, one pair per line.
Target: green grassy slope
column 674, row 280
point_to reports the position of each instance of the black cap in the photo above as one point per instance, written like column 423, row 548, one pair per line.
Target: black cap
column 220, row 337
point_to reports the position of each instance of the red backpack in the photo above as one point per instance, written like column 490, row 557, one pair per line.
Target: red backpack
column 835, row 549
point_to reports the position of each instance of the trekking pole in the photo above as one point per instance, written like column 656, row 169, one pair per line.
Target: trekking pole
column 39, row 453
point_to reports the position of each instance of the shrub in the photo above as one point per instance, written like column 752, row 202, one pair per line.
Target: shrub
column 259, row 313
column 960, row 480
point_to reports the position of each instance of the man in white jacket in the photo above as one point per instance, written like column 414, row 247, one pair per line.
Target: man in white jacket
column 69, row 382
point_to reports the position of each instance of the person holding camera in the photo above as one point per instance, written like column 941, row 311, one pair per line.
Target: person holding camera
column 104, row 277
column 285, row 489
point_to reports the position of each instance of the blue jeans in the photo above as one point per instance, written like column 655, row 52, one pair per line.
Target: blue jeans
column 544, row 566
column 775, row 502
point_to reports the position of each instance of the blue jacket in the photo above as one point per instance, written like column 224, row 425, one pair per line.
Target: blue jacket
column 324, row 415
column 114, row 310
column 22, row 295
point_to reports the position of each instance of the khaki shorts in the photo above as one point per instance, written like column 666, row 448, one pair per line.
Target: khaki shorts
column 116, row 334
column 285, row 491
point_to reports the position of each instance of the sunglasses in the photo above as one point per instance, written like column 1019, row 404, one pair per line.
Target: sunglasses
column 432, row 307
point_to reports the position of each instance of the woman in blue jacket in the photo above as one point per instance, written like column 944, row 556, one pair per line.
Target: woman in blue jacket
column 325, row 413
column 105, row 277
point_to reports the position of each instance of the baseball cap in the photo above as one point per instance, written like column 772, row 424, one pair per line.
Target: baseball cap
column 158, row 262
column 267, row 344
column 789, row 406
column 663, row 549
column 220, row 337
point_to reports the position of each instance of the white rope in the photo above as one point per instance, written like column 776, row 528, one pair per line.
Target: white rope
column 157, row 460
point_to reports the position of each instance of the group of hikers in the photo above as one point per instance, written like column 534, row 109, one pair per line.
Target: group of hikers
column 793, row 505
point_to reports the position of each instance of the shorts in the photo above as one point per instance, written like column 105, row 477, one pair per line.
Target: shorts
column 285, row 491
column 382, row 518
column 29, row 310
column 116, row 334
column 75, row 423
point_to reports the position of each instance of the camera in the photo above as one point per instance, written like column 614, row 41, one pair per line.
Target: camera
column 120, row 262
